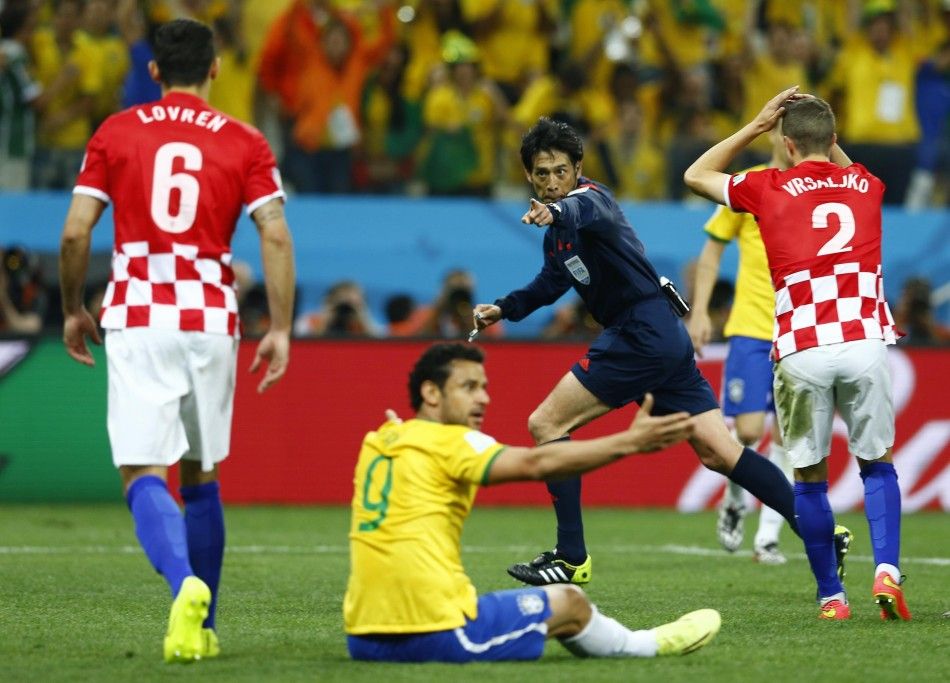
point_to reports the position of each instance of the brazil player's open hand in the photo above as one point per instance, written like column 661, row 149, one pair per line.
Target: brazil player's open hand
column 649, row 433
column 393, row 416
column 76, row 327
column 275, row 349
column 538, row 214
column 700, row 330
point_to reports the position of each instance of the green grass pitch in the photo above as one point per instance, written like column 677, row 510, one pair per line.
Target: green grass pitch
column 78, row 600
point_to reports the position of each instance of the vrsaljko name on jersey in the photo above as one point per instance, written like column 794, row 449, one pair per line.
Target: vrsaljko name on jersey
column 849, row 181
column 206, row 119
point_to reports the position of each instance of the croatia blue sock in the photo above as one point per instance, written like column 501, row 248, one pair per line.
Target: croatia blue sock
column 204, row 524
column 816, row 523
column 566, row 497
column 160, row 528
column 759, row 476
column 882, row 507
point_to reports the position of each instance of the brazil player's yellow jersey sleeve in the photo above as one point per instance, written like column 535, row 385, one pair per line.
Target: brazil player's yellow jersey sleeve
column 413, row 488
column 753, row 309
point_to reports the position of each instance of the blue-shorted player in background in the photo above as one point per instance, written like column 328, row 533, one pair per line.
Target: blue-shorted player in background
column 589, row 245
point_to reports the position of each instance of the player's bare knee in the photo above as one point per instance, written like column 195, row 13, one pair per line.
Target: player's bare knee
column 748, row 436
column 570, row 610
column 542, row 428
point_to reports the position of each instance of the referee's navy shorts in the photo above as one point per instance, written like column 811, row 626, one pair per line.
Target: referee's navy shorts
column 647, row 351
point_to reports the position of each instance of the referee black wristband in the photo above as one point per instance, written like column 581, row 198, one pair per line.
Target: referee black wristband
column 504, row 305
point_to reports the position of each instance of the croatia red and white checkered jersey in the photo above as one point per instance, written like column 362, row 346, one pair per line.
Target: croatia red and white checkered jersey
column 177, row 172
column 821, row 225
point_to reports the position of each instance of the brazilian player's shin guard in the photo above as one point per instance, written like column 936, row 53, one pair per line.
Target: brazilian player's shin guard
column 160, row 528
column 766, row 482
column 566, row 498
column 204, row 523
column 817, row 525
column 882, row 507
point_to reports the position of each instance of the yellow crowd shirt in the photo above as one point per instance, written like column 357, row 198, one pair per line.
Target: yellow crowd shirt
column 878, row 92
column 112, row 55
column 82, row 64
column 753, row 310
column 516, row 48
column 414, row 486
column 447, row 108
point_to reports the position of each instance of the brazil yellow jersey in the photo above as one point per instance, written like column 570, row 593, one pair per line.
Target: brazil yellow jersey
column 414, row 486
column 753, row 308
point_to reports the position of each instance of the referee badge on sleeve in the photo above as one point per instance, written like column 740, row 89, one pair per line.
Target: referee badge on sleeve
column 578, row 270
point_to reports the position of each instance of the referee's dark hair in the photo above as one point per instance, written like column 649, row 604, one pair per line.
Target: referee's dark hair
column 435, row 365
column 810, row 124
column 549, row 135
column 184, row 51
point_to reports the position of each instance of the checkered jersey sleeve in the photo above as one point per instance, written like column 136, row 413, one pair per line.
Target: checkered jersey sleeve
column 472, row 456
column 263, row 181
column 93, row 179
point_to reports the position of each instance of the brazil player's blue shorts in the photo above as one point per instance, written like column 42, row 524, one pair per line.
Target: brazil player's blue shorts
column 747, row 377
column 649, row 351
column 509, row 627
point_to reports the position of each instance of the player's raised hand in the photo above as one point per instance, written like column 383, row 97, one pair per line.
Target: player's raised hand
column 538, row 214
column 393, row 416
column 700, row 330
column 774, row 109
column 275, row 349
column 648, row 433
column 76, row 327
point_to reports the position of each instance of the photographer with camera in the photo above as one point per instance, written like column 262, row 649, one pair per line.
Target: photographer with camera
column 22, row 296
column 450, row 315
column 344, row 314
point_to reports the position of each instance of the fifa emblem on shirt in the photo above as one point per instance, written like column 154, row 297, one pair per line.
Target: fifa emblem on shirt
column 736, row 390
column 578, row 270
column 529, row 604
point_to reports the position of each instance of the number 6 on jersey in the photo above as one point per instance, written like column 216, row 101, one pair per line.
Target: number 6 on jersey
column 164, row 181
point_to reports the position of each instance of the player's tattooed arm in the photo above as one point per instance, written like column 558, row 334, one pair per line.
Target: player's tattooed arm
column 271, row 211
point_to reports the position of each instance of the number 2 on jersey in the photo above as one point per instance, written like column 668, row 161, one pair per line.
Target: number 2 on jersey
column 838, row 244
column 381, row 506
column 164, row 181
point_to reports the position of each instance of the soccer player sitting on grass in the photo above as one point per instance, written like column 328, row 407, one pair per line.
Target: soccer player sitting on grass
column 408, row 598
column 821, row 226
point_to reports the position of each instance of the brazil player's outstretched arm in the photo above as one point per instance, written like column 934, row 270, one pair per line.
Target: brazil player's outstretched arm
column 277, row 253
column 566, row 458
column 706, row 175
column 84, row 213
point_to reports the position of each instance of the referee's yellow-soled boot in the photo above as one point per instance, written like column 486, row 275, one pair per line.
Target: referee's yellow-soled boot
column 548, row 568
column 185, row 639
column 688, row 633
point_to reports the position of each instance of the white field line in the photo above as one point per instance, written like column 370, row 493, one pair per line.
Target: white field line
column 470, row 549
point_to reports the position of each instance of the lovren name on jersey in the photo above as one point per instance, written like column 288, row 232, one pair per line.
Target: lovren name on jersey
column 206, row 119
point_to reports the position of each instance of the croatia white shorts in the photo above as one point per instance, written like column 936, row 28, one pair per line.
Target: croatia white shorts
column 171, row 396
column 852, row 378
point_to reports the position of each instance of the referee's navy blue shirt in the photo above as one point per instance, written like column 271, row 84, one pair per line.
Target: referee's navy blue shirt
column 592, row 247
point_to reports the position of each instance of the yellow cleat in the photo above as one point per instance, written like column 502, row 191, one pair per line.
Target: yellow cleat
column 212, row 648
column 688, row 633
column 185, row 640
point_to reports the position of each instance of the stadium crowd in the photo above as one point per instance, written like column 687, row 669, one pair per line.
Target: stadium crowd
column 413, row 96
column 393, row 96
